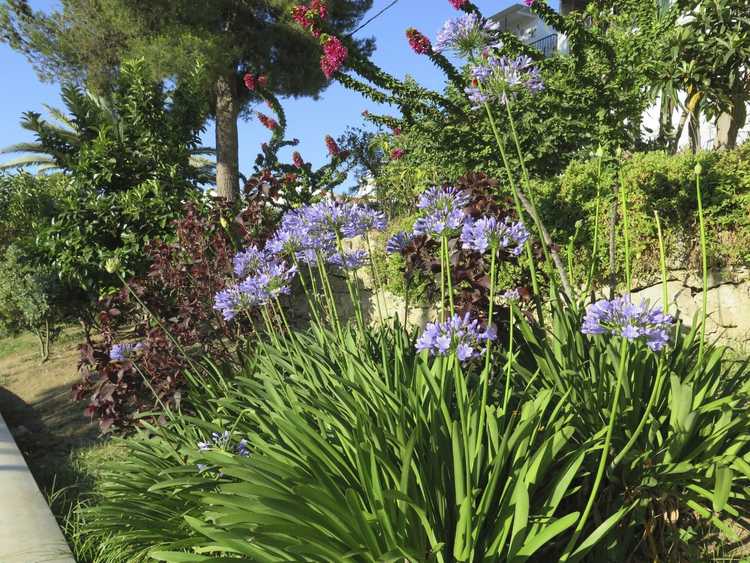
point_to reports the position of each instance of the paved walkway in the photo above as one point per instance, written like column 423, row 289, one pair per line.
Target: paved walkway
column 28, row 531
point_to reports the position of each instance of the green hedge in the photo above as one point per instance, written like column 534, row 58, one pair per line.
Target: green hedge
column 655, row 181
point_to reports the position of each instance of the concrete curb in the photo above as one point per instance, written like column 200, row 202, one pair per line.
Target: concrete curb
column 28, row 530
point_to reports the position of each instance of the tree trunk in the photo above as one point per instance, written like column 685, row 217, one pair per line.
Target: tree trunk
column 694, row 130
column 691, row 104
column 227, row 144
column 728, row 125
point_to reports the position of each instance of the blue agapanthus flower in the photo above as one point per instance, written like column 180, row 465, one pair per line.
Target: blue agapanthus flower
column 362, row 220
column 460, row 334
column 399, row 242
column 248, row 261
column 124, row 351
column 465, row 34
column 348, row 259
column 622, row 317
column 490, row 233
column 498, row 78
column 443, row 210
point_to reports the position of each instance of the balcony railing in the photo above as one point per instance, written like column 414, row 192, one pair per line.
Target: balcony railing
column 547, row 45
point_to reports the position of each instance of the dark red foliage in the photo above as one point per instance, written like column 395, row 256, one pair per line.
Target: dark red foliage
column 178, row 290
column 470, row 273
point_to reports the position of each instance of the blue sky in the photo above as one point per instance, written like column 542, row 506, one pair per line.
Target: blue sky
column 309, row 120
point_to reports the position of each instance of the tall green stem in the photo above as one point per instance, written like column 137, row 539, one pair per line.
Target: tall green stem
column 626, row 231
column 655, row 392
column 605, row 453
column 488, row 351
column 519, row 210
column 448, row 280
column 662, row 265
column 509, row 363
column 595, row 250
column 704, row 260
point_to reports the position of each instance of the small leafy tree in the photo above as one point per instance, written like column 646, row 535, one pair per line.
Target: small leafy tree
column 30, row 299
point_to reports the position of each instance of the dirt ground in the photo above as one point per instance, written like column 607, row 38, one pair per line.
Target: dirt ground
column 35, row 400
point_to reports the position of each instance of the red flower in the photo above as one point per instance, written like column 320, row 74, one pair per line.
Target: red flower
column 334, row 55
column 267, row 122
column 262, row 80
column 249, row 81
column 396, row 154
column 458, row 4
column 419, row 43
column 309, row 16
column 297, row 160
column 333, row 148
column 396, row 131
column 529, row 3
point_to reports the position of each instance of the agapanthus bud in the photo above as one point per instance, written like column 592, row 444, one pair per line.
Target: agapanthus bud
column 600, row 152
column 698, row 169
column 420, row 44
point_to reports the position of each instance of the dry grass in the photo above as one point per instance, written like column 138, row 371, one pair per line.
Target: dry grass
column 35, row 400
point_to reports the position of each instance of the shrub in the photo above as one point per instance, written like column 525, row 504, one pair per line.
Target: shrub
column 169, row 313
column 660, row 182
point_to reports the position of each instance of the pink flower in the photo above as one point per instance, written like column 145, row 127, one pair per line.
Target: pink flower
column 396, row 131
column 267, row 122
column 458, row 4
column 396, row 154
column 249, row 81
column 297, row 160
column 309, row 16
column 419, row 43
column 333, row 148
column 334, row 55
column 529, row 3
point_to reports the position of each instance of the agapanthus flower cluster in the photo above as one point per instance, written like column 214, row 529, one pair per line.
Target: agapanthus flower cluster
column 466, row 34
column 268, row 122
column 222, row 441
column 334, row 55
column 399, row 242
column 460, row 334
column 490, row 233
column 622, row 317
column 418, row 42
column 502, row 78
column 362, row 220
column 348, row 259
column 124, row 351
column 443, row 210
column 265, row 278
